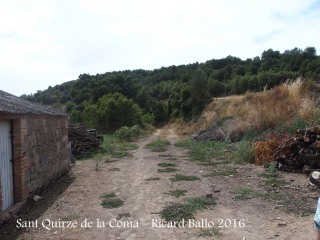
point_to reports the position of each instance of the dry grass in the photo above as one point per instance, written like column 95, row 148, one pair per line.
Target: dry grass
column 264, row 150
column 263, row 110
column 184, row 128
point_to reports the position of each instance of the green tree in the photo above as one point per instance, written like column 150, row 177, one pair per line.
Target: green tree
column 89, row 116
column 198, row 89
column 215, row 87
column 115, row 111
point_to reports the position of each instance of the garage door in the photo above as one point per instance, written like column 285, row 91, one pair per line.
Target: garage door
column 6, row 165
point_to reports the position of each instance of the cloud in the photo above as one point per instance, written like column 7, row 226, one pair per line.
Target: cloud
column 49, row 42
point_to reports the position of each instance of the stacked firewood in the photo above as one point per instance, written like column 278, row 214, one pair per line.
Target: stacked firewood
column 82, row 140
column 300, row 153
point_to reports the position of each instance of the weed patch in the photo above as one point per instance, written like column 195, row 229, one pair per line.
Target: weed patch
column 112, row 147
column 184, row 211
column 244, row 153
column 167, row 164
column 200, row 203
column 210, row 232
column 168, row 157
column 245, row 194
column 109, row 195
column 110, row 201
column 180, row 177
column 159, row 145
column 177, row 193
column 271, row 176
column 291, row 203
column 224, row 171
column 70, row 217
column 185, row 143
column 177, row 212
column 216, row 162
column 203, row 151
column 168, row 169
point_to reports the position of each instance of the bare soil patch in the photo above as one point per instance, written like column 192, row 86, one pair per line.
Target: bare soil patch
column 247, row 208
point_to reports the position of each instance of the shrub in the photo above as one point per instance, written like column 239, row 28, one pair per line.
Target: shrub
column 159, row 145
column 244, row 152
column 203, row 151
column 128, row 133
column 148, row 118
column 110, row 201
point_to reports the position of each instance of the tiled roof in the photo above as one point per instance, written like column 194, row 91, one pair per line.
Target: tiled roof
column 15, row 105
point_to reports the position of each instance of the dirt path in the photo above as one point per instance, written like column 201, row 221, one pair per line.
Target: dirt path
column 79, row 199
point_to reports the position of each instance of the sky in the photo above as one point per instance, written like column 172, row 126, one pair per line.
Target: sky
column 47, row 42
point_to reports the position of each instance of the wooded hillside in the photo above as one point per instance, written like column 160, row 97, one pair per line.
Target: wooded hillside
column 110, row 100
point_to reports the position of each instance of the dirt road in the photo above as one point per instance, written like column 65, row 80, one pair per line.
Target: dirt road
column 76, row 200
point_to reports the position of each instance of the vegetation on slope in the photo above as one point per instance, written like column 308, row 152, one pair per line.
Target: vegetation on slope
column 114, row 99
column 288, row 106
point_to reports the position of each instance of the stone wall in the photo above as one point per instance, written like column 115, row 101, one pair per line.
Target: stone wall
column 45, row 145
column 40, row 152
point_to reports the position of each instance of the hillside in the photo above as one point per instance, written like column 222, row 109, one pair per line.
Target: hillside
column 291, row 105
column 175, row 91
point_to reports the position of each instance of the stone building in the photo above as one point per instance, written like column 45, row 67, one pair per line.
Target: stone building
column 33, row 149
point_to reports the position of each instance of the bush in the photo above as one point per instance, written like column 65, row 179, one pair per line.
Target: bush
column 202, row 151
column 244, row 152
column 148, row 118
column 159, row 145
column 128, row 133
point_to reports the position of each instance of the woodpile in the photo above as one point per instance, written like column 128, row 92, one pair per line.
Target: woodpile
column 82, row 140
column 300, row 153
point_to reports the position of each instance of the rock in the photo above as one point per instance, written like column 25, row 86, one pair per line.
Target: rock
column 37, row 198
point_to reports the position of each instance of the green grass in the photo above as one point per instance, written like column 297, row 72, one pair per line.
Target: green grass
column 223, row 171
column 271, row 176
column 185, row 143
column 245, row 194
column 168, row 157
column 203, row 151
column 215, row 162
column 159, row 145
column 112, row 147
column 110, row 201
column 177, row 193
column 168, row 170
column 292, row 203
column 153, row 179
column 109, row 195
column 210, row 232
column 177, row 212
column 164, row 164
column 180, row 177
column 70, row 217
column 180, row 211
column 200, row 203
column 171, row 159
column 243, row 153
